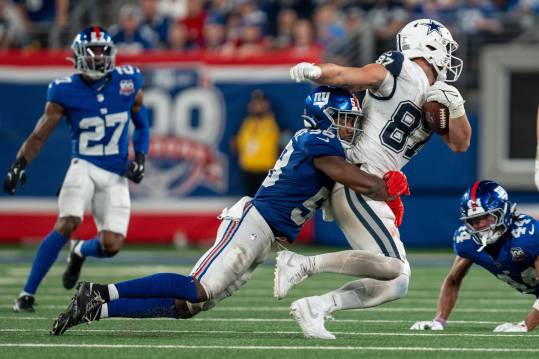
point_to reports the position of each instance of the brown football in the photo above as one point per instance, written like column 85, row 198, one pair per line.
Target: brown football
column 436, row 117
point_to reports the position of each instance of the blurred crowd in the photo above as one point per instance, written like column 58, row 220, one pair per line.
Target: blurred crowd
column 250, row 27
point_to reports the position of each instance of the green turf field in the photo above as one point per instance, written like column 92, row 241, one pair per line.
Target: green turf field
column 252, row 324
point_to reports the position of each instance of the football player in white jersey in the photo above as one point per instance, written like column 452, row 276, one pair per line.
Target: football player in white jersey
column 397, row 86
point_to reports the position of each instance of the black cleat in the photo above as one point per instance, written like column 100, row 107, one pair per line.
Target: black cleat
column 24, row 304
column 74, row 265
column 84, row 308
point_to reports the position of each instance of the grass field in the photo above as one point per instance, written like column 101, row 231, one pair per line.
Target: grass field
column 252, row 324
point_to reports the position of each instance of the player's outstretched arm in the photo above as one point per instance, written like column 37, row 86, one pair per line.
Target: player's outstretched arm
column 352, row 177
column 32, row 146
column 448, row 295
column 369, row 76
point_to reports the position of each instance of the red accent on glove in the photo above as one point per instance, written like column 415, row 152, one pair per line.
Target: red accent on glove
column 398, row 210
column 396, row 183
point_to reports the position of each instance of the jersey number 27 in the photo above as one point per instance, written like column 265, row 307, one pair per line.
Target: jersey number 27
column 96, row 128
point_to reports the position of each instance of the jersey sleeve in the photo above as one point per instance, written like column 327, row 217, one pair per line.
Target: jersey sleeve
column 463, row 244
column 138, row 79
column 525, row 228
column 319, row 144
column 57, row 89
column 392, row 61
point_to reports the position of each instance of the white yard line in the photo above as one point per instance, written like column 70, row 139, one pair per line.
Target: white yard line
column 285, row 309
column 265, row 347
column 385, row 334
column 392, row 321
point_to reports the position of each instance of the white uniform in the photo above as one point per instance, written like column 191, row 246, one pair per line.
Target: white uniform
column 106, row 193
column 392, row 134
column 243, row 242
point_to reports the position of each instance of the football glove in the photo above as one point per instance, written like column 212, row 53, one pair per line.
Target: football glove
column 305, row 71
column 447, row 95
column 16, row 174
column 396, row 183
column 428, row 325
column 511, row 328
column 398, row 209
column 135, row 172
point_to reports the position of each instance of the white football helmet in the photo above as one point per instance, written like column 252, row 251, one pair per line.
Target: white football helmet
column 432, row 41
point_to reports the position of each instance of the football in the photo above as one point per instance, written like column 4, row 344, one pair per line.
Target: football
column 436, row 117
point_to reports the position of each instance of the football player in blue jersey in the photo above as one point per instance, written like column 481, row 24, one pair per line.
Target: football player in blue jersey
column 98, row 103
column 498, row 239
column 294, row 189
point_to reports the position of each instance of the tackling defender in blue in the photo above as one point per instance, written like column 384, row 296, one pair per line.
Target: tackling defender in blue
column 498, row 239
column 98, row 103
column 294, row 189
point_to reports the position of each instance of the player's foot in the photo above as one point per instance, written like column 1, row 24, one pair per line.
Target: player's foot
column 291, row 269
column 311, row 313
column 24, row 304
column 84, row 308
column 74, row 265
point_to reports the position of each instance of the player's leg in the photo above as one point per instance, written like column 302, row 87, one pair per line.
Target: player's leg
column 368, row 226
column 111, row 209
column 74, row 196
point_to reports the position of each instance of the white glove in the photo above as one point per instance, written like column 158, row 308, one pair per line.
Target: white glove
column 305, row 71
column 449, row 96
column 512, row 328
column 427, row 325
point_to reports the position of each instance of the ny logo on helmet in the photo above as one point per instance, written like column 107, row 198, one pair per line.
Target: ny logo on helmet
column 321, row 99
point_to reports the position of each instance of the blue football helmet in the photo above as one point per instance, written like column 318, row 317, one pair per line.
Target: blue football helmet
column 487, row 212
column 94, row 52
column 333, row 108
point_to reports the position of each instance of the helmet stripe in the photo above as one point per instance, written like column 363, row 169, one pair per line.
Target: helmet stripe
column 97, row 33
column 473, row 191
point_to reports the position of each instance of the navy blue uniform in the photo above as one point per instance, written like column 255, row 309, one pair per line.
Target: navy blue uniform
column 294, row 189
column 98, row 115
column 514, row 263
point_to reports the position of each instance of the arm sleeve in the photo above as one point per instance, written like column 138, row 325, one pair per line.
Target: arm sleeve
column 141, row 135
column 138, row 79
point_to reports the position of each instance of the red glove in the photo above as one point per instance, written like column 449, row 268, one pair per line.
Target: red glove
column 398, row 210
column 396, row 183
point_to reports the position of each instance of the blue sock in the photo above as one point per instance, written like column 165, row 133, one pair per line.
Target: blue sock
column 160, row 285
column 92, row 248
column 142, row 308
column 46, row 255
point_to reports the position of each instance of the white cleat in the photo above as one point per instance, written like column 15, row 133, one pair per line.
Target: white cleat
column 310, row 314
column 291, row 268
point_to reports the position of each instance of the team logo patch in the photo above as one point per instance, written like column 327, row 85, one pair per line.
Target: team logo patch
column 518, row 254
column 321, row 99
column 127, row 87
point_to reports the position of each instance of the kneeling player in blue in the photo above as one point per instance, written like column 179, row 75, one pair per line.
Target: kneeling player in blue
column 98, row 102
column 501, row 241
column 294, row 189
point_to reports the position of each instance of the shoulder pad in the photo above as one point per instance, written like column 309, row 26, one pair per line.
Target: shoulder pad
column 60, row 81
column 461, row 234
column 392, row 61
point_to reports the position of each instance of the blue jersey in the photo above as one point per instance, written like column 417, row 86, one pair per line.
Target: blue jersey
column 98, row 115
column 515, row 261
column 294, row 189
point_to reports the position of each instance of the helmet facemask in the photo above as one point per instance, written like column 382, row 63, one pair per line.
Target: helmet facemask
column 94, row 59
column 346, row 123
column 486, row 227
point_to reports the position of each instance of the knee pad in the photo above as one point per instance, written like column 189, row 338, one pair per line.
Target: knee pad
column 401, row 285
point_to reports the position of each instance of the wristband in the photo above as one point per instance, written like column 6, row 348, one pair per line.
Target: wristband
column 457, row 111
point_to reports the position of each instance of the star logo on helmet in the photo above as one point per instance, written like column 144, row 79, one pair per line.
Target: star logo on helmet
column 432, row 27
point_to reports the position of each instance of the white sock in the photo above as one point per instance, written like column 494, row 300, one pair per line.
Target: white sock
column 113, row 292
column 77, row 248
column 25, row 293
column 104, row 311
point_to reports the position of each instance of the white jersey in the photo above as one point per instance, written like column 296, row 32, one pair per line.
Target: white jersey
column 393, row 131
